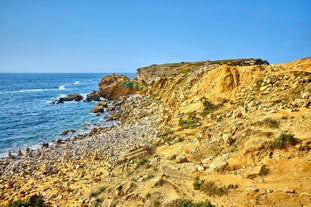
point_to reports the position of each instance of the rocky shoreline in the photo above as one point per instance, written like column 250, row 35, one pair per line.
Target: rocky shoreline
column 44, row 171
column 211, row 133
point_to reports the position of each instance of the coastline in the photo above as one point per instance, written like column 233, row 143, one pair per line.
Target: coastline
column 45, row 171
column 205, row 133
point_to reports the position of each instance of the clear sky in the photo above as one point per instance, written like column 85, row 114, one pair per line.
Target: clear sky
column 122, row 35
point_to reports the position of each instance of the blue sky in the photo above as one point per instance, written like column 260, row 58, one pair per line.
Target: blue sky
column 122, row 35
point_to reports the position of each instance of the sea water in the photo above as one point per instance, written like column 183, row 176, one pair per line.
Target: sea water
column 27, row 118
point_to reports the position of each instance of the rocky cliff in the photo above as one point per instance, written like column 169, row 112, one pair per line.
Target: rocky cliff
column 232, row 133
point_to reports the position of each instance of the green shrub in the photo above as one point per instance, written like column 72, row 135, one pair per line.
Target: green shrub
column 211, row 189
column 264, row 170
column 270, row 123
column 189, row 123
column 33, row 201
column 132, row 85
column 188, row 203
column 157, row 204
column 142, row 162
column 185, row 71
column 207, row 112
column 160, row 182
column 283, row 140
column 99, row 191
column 196, row 183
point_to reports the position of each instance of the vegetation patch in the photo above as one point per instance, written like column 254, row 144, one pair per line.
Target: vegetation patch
column 209, row 187
column 132, row 85
column 99, row 191
column 283, row 140
column 264, row 170
column 142, row 162
column 240, row 62
column 160, row 182
column 33, row 201
column 188, row 203
column 185, row 71
column 207, row 112
column 197, row 183
column 269, row 122
column 189, row 123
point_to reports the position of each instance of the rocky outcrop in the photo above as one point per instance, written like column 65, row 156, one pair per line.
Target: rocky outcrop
column 93, row 96
column 70, row 97
column 99, row 108
column 113, row 86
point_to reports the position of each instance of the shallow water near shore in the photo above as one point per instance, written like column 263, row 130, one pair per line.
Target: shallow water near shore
column 26, row 116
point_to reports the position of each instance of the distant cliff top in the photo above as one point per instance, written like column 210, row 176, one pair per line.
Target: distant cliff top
column 145, row 73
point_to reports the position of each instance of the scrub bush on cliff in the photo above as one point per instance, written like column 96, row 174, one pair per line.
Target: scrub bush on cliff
column 132, row 85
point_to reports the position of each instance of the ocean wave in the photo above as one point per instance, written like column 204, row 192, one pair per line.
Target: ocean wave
column 76, row 83
column 26, row 91
column 62, row 87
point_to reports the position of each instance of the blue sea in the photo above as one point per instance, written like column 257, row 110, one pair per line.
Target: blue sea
column 26, row 116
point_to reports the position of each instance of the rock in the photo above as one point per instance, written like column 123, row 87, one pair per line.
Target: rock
column 288, row 190
column 97, row 109
column 60, row 141
column 218, row 164
column 114, row 86
column 27, row 150
column 49, row 169
column 305, row 95
column 10, row 154
column 134, row 153
column 70, row 97
column 110, row 108
column 45, row 145
column 228, row 138
column 200, row 168
column 181, row 159
column 67, row 132
column 103, row 103
column 93, row 96
column 237, row 113
column 20, row 153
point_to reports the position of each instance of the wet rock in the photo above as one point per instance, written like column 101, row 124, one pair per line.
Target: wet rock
column 10, row 154
column 93, row 96
column 67, row 132
column 99, row 108
column 45, row 145
column 70, row 97
column 20, row 153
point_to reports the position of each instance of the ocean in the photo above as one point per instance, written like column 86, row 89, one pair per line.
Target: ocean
column 26, row 116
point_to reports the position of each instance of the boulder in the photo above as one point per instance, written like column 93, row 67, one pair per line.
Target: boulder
column 97, row 109
column 114, row 86
column 70, row 97
column 218, row 164
column 93, row 96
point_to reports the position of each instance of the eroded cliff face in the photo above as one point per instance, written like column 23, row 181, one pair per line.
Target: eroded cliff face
column 114, row 86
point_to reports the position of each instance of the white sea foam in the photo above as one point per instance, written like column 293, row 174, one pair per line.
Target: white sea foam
column 26, row 91
column 77, row 82
column 62, row 87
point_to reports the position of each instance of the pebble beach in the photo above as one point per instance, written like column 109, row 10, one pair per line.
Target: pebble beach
column 64, row 172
